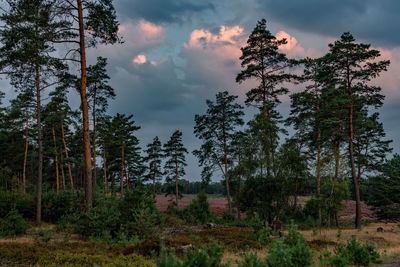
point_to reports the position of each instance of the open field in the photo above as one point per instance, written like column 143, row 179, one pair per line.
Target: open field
column 27, row 250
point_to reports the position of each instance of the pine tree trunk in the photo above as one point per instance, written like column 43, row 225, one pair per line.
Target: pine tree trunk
column 337, row 160
column 122, row 170
column 105, row 168
column 127, row 178
column 94, row 137
column 40, row 146
column 228, row 194
column 26, row 148
column 66, row 154
column 318, row 159
column 176, row 183
column 62, row 170
column 85, row 113
column 351, row 152
column 56, row 159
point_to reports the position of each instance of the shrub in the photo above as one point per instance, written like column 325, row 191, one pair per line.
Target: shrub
column 13, row 225
column 101, row 222
column 198, row 210
column 352, row 253
column 22, row 202
column 250, row 260
column 54, row 205
column 139, row 214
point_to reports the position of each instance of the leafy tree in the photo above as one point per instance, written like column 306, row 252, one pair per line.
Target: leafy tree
column 175, row 154
column 216, row 128
column 153, row 158
column 262, row 60
column 354, row 66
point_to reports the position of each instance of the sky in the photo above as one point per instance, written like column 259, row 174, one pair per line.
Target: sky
column 178, row 53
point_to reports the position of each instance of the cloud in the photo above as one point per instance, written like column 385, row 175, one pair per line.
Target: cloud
column 139, row 59
column 375, row 21
column 389, row 81
column 149, row 30
column 293, row 48
column 166, row 11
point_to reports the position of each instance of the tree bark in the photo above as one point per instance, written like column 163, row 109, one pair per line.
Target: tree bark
column 228, row 194
column 62, row 170
column 105, row 167
column 122, row 169
column 94, row 136
column 176, row 183
column 318, row 157
column 56, row 159
column 40, row 146
column 85, row 113
column 26, row 148
column 66, row 154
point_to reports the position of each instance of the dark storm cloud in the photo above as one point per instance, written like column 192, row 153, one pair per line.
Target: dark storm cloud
column 371, row 20
column 162, row 11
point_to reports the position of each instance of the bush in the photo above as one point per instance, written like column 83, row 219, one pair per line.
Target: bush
column 101, row 222
column 198, row 210
column 54, row 205
column 250, row 260
column 207, row 256
column 22, row 202
column 139, row 214
column 352, row 253
column 13, row 225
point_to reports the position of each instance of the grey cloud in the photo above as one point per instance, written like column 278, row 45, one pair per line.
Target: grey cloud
column 169, row 11
column 371, row 20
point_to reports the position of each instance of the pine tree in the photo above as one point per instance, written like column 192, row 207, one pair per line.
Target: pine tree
column 174, row 167
column 262, row 60
column 30, row 28
column 354, row 66
column 216, row 128
column 98, row 94
column 153, row 159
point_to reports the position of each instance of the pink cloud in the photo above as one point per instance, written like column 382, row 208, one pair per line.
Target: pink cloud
column 389, row 80
column 140, row 59
column 149, row 30
column 294, row 49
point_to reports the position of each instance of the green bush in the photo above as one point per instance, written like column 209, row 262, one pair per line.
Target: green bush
column 250, row 260
column 198, row 210
column 351, row 253
column 207, row 256
column 139, row 214
column 101, row 222
column 54, row 205
column 22, row 202
column 13, row 225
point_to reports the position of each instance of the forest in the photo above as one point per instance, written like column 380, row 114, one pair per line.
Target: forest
column 78, row 187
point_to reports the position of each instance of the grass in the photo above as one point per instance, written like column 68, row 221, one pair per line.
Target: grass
column 73, row 251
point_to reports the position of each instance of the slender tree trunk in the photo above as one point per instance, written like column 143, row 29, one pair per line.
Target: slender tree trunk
column 26, row 148
column 94, row 137
column 112, row 184
column 56, row 159
column 319, row 174
column 337, row 160
column 352, row 162
column 318, row 157
column 40, row 146
column 62, row 170
column 126, row 177
column 176, row 183
column 66, row 154
column 228, row 194
column 85, row 113
column 122, row 169
column 105, row 168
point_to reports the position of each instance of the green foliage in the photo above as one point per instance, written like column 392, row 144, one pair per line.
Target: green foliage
column 13, row 225
column 55, row 206
column 22, row 202
column 139, row 214
column 206, row 256
column 352, row 253
column 199, row 209
column 101, row 221
column 250, row 260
